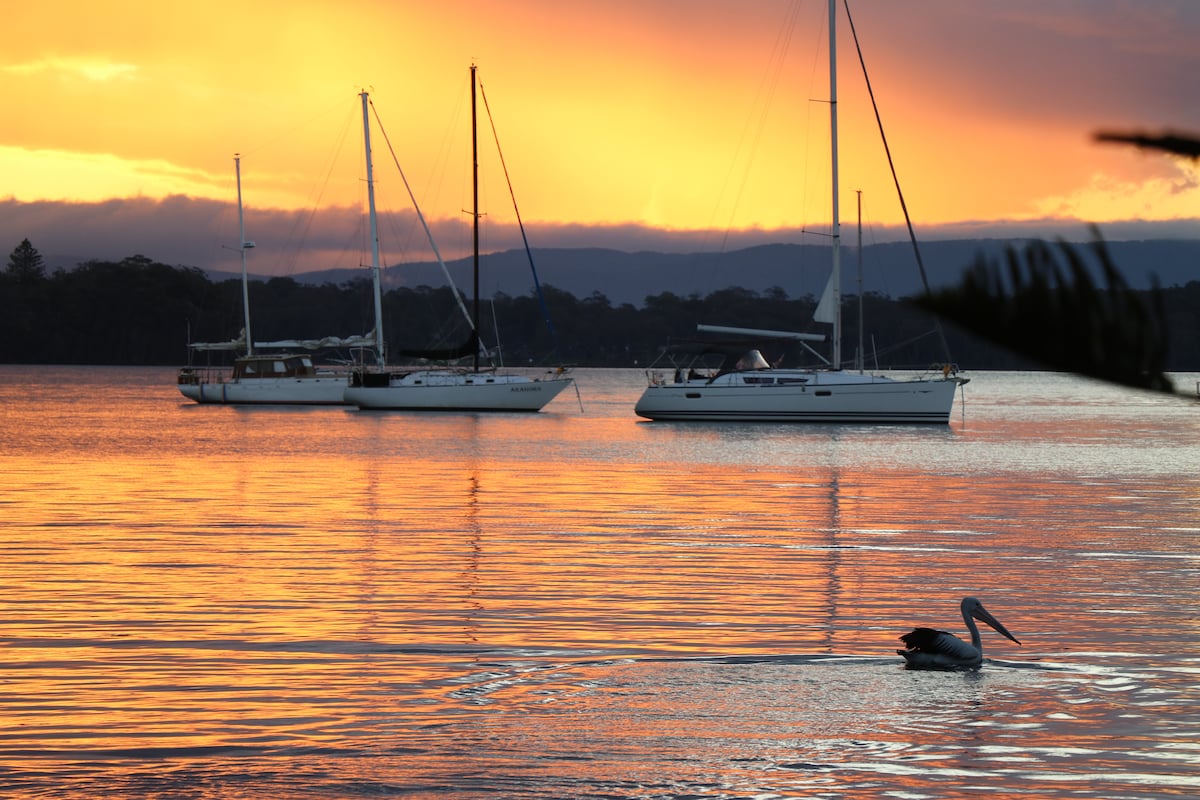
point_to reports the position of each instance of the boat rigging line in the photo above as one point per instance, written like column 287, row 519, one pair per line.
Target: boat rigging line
column 528, row 252
column 428, row 233
column 895, row 179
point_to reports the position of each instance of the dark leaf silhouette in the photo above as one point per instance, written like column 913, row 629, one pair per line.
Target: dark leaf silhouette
column 1044, row 304
column 1061, row 319
column 1180, row 144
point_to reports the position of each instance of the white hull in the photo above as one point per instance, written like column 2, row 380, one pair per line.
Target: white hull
column 323, row 390
column 457, row 391
column 786, row 395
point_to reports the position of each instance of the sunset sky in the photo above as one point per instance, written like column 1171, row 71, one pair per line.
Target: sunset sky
column 630, row 124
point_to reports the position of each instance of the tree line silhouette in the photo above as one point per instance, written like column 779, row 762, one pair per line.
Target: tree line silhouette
column 140, row 312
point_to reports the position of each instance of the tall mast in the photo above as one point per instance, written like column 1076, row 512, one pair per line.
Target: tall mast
column 379, row 354
column 475, row 215
column 243, row 246
column 836, row 233
column 861, row 359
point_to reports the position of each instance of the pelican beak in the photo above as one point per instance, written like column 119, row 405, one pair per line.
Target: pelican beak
column 980, row 613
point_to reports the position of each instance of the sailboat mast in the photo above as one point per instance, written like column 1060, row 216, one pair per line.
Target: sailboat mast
column 375, row 276
column 861, row 359
column 836, row 232
column 242, row 246
column 475, row 215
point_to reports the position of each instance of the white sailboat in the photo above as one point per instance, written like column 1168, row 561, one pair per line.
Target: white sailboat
column 746, row 388
column 275, row 373
column 478, row 388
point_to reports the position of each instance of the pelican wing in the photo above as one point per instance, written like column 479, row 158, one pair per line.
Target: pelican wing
column 940, row 646
column 923, row 638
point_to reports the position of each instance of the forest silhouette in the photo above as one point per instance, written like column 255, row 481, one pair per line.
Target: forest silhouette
column 140, row 312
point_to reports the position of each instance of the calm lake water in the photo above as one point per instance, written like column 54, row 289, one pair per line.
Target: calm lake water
column 214, row 602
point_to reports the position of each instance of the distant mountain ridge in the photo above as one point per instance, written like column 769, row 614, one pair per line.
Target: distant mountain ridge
column 889, row 269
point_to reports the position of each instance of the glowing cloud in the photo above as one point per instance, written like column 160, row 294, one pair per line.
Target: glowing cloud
column 92, row 70
column 1107, row 198
column 93, row 177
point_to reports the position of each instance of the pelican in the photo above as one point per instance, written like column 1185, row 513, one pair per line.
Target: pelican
column 930, row 649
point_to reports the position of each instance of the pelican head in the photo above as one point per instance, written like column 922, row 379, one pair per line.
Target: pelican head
column 973, row 608
column 927, row 648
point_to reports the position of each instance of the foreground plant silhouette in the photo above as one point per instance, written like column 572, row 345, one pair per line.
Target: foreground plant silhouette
column 1179, row 144
column 1044, row 304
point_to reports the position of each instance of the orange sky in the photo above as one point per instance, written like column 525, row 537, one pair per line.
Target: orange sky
column 696, row 115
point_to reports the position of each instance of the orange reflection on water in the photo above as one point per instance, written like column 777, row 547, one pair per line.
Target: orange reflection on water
column 528, row 553
column 409, row 599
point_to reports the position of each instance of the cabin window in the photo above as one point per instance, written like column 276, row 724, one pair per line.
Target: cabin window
column 751, row 359
column 758, row 380
column 823, row 393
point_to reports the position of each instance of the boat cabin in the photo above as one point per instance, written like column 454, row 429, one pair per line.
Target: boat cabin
column 698, row 365
column 751, row 359
column 274, row 366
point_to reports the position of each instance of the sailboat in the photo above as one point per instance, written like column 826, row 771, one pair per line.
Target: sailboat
column 274, row 373
column 745, row 388
column 478, row 388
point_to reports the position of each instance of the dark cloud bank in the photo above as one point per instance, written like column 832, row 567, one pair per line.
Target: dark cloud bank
column 623, row 262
